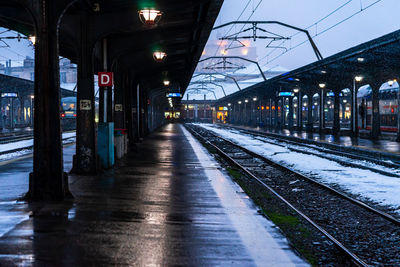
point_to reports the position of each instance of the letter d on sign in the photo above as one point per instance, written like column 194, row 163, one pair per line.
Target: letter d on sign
column 105, row 79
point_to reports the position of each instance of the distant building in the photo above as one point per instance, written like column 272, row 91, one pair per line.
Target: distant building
column 68, row 71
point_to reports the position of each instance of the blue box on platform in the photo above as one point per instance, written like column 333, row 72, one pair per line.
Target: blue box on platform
column 105, row 144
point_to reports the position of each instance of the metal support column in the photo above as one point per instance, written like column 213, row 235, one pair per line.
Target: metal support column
column 290, row 114
column 85, row 159
column 300, row 112
column 321, row 111
column 376, row 123
column 310, row 119
column 119, row 90
column 48, row 180
column 336, row 116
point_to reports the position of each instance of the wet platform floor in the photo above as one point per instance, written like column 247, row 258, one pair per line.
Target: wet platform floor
column 168, row 203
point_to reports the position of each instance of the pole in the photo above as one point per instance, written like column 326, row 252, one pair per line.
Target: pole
column 105, row 88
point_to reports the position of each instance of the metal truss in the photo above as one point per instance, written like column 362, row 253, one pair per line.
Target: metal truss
column 232, row 57
column 217, row 73
column 273, row 36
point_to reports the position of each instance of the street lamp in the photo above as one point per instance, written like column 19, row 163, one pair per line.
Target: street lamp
column 229, row 104
column 150, row 17
column 296, row 90
column 255, row 99
column 166, row 83
column 239, row 102
column 159, row 56
column 246, row 101
column 354, row 111
column 322, row 85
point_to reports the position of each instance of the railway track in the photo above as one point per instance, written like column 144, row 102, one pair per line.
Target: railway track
column 383, row 159
column 364, row 235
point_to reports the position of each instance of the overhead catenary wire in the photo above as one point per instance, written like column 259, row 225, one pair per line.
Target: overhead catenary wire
column 324, row 31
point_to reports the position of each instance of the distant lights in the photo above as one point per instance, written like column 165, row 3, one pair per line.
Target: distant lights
column 296, row 90
column 159, row 56
column 32, row 39
column 229, row 104
column 360, row 59
column 166, row 82
column 358, row 78
column 246, row 101
column 254, row 98
column 391, row 82
column 324, row 72
column 239, row 102
column 322, row 85
column 150, row 17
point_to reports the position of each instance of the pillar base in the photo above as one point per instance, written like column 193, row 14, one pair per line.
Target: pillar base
column 79, row 170
column 32, row 196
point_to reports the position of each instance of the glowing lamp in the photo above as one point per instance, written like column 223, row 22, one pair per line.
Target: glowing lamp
column 246, row 101
column 255, row 99
column 166, row 83
column 150, row 17
column 239, row 102
column 32, row 39
column 159, row 56
column 229, row 104
column 296, row 90
column 358, row 78
column 322, row 85
column 391, row 82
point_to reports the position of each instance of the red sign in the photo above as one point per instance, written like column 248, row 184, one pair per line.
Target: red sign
column 105, row 79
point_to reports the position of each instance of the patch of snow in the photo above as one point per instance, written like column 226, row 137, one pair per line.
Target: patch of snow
column 370, row 185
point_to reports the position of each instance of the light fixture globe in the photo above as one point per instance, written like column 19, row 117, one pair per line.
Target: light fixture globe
column 159, row 56
column 32, row 39
column 150, row 17
column 166, row 82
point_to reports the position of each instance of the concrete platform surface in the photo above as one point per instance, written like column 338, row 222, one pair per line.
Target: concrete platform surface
column 168, row 203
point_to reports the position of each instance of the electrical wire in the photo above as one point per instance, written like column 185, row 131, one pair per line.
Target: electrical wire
column 324, row 31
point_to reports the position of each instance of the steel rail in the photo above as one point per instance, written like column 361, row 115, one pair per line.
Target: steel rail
column 337, row 243
column 330, row 149
column 327, row 150
column 342, row 195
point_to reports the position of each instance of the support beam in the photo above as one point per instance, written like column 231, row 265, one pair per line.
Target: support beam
column 336, row 110
column 376, row 123
column 290, row 114
column 321, row 111
column 310, row 119
column 48, row 180
column 85, row 159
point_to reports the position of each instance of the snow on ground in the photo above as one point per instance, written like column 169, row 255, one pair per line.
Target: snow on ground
column 26, row 143
column 376, row 187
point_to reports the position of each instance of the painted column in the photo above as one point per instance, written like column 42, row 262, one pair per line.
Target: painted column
column 376, row 124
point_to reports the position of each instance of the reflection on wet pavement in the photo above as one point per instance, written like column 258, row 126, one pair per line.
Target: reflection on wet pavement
column 160, row 206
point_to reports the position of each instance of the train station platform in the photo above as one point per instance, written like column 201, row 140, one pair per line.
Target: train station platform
column 168, row 203
column 379, row 146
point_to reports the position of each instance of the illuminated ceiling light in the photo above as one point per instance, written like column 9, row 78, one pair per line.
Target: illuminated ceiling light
column 391, row 82
column 359, row 78
column 150, row 17
column 239, row 102
column 322, row 85
column 255, row 99
column 296, row 90
column 32, row 39
column 166, row 83
column 246, row 101
column 360, row 59
column 323, row 71
column 159, row 56
column 229, row 104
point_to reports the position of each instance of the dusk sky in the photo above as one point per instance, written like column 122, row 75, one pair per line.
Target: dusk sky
column 373, row 22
